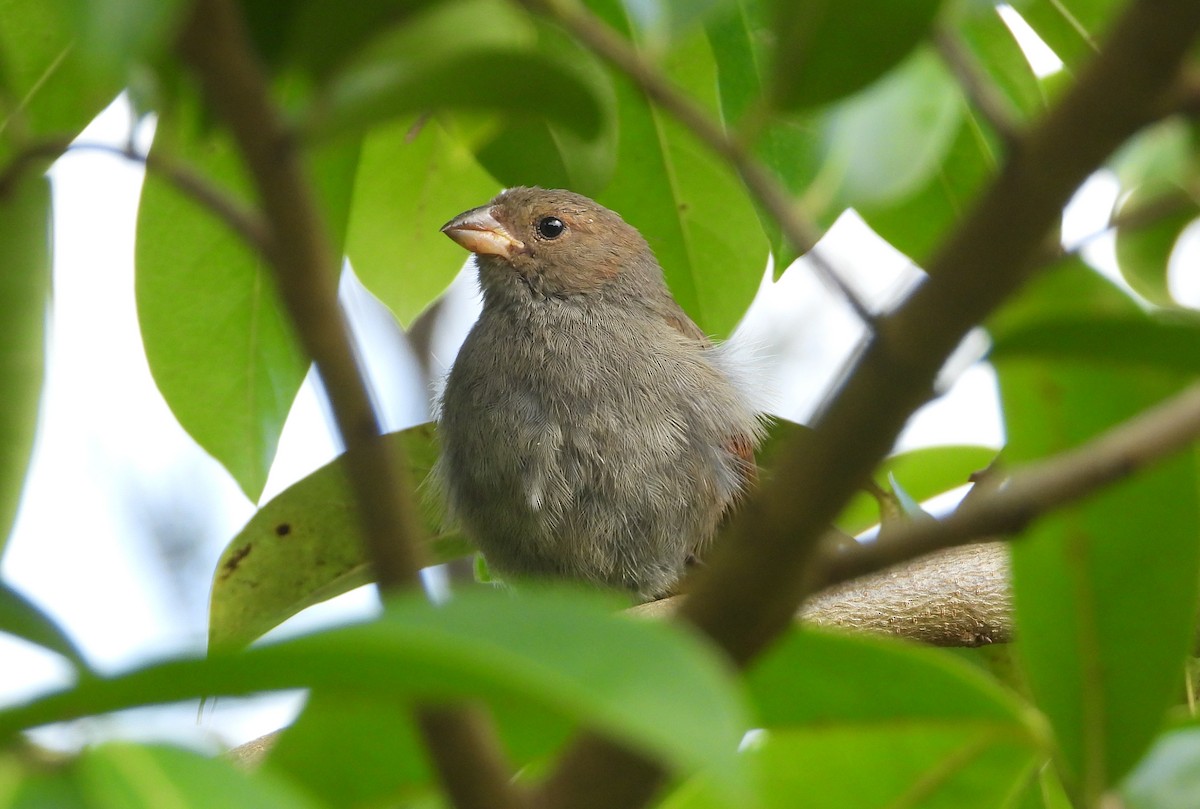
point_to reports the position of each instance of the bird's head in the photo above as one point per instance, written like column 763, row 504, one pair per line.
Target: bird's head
column 553, row 243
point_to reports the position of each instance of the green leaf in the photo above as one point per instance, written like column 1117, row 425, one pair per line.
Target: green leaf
column 1169, row 343
column 370, row 751
column 924, row 473
column 659, row 21
column 999, row 56
column 827, row 50
column 932, row 731
column 691, row 208
column 1105, row 626
column 120, row 775
column 1144, row 253
column 217, row 341
column 818, row 678
column 412, row 178
column 48, row 85
column 539, row 647
column 918, row 222
column 924, row 765
column 790, row 146
column 22, row 618
column 543, row 152
column 514, row 82
column 1169, row 776
column 303, row 547
column 885, row 143
column 24, row 287
column 1072, row 28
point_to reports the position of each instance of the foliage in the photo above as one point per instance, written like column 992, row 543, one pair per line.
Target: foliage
column 411, row 112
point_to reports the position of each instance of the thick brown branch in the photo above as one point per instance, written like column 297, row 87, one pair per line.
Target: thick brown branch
column 216, row 45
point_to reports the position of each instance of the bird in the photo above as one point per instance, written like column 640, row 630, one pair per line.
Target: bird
column 590, row 430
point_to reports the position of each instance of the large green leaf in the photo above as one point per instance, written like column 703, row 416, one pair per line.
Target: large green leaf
column 827, row 49
column 412, row 178
column 1168, row 343
column 567, row 651
column 1106, row 591
column 931, row 730
column 24, row 288
column 219, row 347
column 48, row 85
column 130, row 776
column 303, row 547
column 691, row 208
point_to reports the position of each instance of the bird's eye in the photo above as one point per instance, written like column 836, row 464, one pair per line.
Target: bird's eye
column 550, row 227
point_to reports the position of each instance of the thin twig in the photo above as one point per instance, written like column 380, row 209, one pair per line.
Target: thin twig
column 979, row 90
column 215, row 44
column 236, row 216
column 601, row 40
column 1112, row 457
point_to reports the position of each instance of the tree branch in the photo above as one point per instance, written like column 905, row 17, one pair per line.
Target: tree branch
column 216, row 45
column 243, row 221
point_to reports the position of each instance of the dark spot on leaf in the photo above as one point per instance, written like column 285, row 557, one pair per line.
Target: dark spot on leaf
column 283, row 529
column 231, row 564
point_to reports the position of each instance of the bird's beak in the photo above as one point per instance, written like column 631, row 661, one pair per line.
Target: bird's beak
column 480, row 232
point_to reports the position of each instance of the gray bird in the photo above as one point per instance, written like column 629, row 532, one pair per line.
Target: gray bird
column 590, row 431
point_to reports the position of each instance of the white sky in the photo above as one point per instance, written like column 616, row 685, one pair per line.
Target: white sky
column 107, row 442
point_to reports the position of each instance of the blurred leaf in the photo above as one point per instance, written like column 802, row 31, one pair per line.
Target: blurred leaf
column 1158, row 170
column 121, row 775
column 22, row 618
column 1144, row 253
column 790, row 146
column 122, row 34
column 925, row 765
column 320, row 35
column 691, row 208
column 537, row 646
column 659, row 21
column 303, row 547
column 1168, row 343
column 412, row 178
column 918, row 222
column 819, row 678
column 827, row 50
column 522, row 84
column 48, row 85
column 1169, row 776
column 1104, row 625
column 885, row 143
column 543, row 152
column 1072, row 28
column 924, row 473
column 25, row 259
column 932, row 731
column 217, row 341
column 369, row 749
column 999, row 56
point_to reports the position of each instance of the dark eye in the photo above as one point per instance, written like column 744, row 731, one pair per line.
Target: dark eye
column 550, row 227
